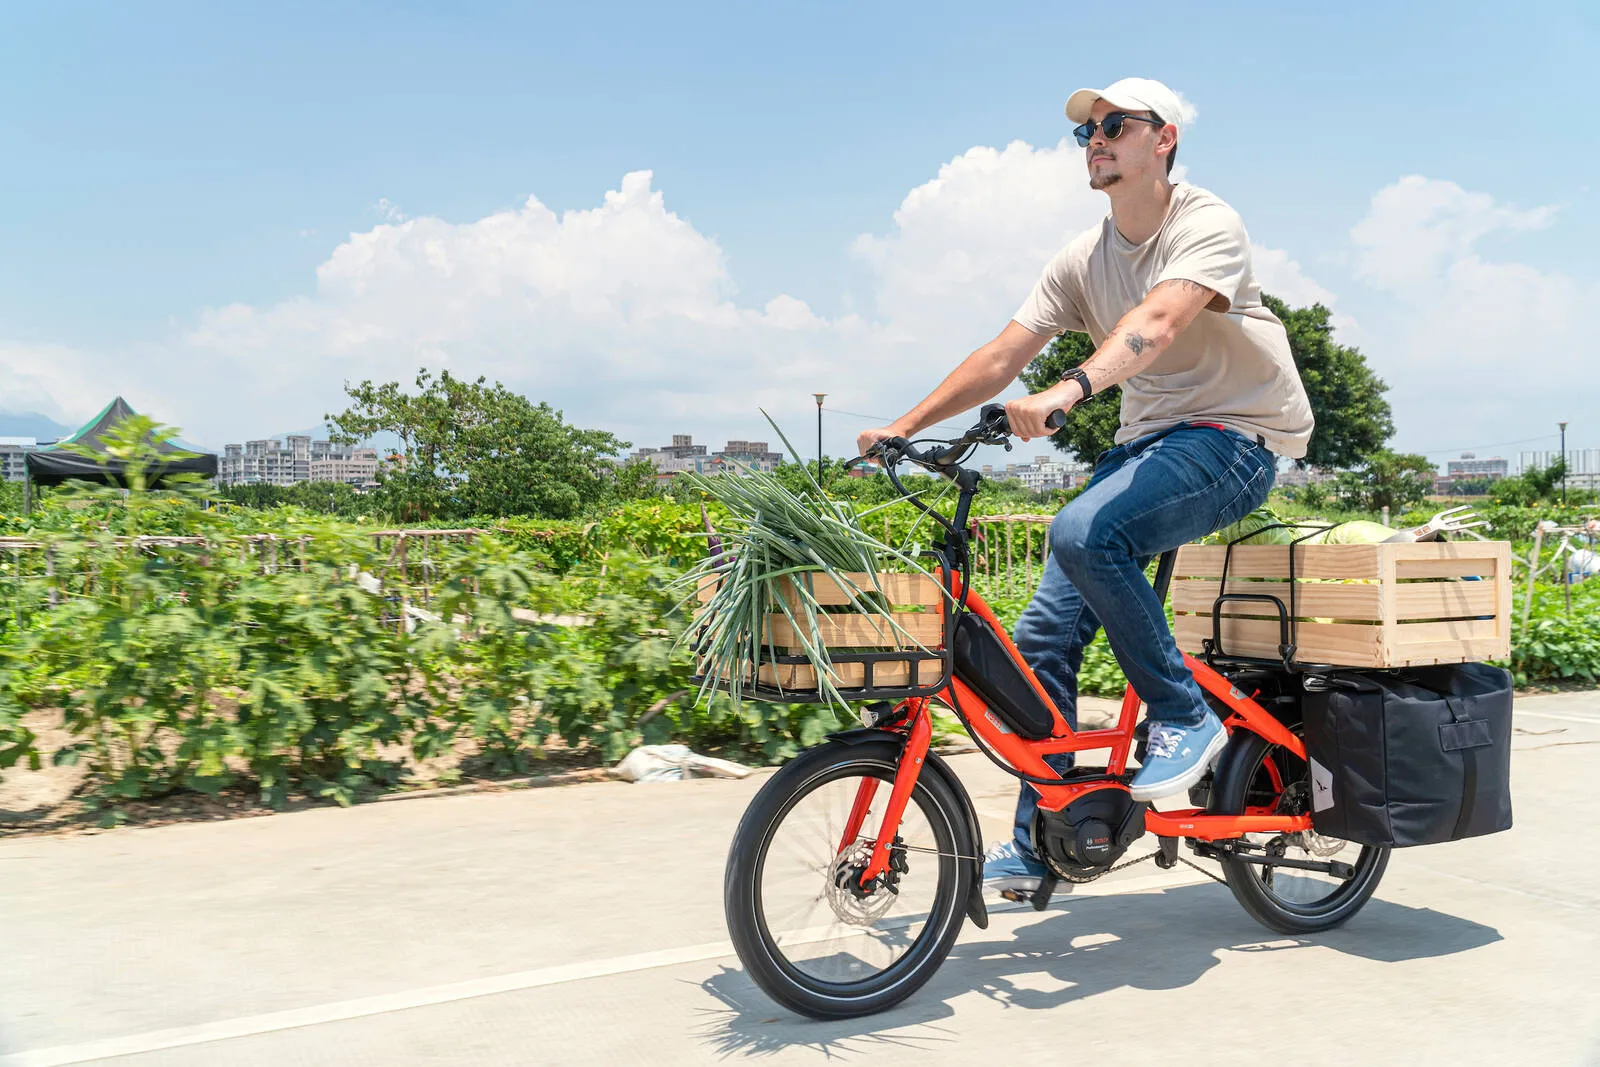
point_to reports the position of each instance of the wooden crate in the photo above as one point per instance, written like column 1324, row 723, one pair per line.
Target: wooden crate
column 854, row 632
column 1399, row 614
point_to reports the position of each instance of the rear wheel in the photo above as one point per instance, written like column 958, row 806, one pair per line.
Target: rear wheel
column 805, row 931
column 1265, row 778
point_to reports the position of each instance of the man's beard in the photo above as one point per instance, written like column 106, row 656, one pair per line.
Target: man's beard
column 1104, row 180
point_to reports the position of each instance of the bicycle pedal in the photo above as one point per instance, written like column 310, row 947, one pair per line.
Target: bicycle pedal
column 1039, row 898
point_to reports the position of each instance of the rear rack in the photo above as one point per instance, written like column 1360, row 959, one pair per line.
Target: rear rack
column 1288, row 623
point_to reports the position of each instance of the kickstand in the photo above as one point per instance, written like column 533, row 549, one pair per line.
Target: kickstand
column 1041, row 896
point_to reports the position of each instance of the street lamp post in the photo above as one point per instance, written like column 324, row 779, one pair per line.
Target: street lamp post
column 820, row 397
column 1564, row 464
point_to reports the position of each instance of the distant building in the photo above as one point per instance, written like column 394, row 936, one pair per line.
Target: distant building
column 752, row 454
column 359, row 468
column 1470, row 466
column 1295, row 475
column 296, row 458
column 1579, row 461
column 683, row 455
column 1044, row 473
column 13, row 453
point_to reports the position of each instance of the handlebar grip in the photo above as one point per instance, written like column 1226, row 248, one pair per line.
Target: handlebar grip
column 1057, row 419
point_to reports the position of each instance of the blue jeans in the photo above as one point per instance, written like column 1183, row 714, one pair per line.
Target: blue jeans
column 1147, row 496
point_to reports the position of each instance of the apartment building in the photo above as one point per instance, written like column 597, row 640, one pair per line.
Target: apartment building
column 296, row 458
column 1579, row 460
column 1470, row 466
column 683, row 455
column 13, row 452
column 1045, row 472
column 359, row 468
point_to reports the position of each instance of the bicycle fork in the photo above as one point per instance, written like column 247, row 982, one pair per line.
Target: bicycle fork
column 912, row 757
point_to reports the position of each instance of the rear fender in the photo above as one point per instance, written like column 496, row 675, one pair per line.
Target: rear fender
column 977, row 911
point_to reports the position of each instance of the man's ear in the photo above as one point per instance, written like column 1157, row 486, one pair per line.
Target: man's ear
column 1167, row 138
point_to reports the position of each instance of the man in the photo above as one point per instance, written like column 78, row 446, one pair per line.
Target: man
column 1210, row 394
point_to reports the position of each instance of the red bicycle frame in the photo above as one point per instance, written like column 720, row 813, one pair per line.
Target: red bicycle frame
column 1028, row 756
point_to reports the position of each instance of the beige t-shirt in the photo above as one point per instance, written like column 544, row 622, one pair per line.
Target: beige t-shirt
column 1231, row 366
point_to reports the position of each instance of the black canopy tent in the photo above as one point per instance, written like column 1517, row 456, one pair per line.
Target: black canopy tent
column 54, row 464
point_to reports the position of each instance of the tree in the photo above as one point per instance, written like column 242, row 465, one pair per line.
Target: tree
column 1532, row 486
column 1092, row 427
column 473, row 449
column 1353, row 418
column 1394, row 480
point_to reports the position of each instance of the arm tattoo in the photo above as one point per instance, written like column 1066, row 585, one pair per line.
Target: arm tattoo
column 1137, row 342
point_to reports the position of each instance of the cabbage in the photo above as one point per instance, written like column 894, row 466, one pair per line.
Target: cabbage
column 1251, row 524
column 1354, row 532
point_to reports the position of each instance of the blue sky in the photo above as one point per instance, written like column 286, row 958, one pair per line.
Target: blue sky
column 168, row 162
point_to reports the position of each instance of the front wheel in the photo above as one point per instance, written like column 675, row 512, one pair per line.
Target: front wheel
column 1260, row 777
column 806, row 933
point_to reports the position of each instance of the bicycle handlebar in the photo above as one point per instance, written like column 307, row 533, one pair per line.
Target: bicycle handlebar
column 993, row 428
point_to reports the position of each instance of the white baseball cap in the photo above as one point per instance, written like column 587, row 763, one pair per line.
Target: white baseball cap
column 1129, row 94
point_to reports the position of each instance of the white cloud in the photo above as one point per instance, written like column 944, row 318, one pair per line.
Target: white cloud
column 1284, row 278
column 625, row 315
column 1419, row 226
column 50, row 380
column 1476, row 350
column 967, row 246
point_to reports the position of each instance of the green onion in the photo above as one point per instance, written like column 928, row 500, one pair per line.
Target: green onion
column 774, row 541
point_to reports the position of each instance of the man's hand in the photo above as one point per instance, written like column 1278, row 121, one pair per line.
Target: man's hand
column 1027, row 413
column 867, row 438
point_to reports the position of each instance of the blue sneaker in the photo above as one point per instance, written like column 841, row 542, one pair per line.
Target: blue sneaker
column 1178, row 757
column 1009, row 866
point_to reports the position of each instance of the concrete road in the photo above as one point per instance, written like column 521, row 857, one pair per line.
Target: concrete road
column 584, row 925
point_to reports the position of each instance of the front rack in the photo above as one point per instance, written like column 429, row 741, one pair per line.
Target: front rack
column 873, row 665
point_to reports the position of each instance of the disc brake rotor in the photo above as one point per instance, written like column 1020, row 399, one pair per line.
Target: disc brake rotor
column 1294, row 801
column 845, row 895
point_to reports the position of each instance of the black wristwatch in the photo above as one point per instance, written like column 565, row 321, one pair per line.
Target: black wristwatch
column 1078, row 375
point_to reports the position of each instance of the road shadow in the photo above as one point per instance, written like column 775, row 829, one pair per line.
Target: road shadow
column 1077, row 949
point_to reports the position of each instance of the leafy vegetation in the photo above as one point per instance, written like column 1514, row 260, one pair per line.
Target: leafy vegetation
column 467, row 448
column 189, row 642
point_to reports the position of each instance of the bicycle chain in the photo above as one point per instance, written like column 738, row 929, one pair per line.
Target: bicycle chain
column 1109, row 870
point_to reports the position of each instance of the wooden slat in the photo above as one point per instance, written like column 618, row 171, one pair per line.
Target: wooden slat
column 1478, row 566
column 901, row 589
column 1474, row 650
column 1348, row 644
column 1272, row 561
column 1311, row 599
column 1453, row 630
column 862, row 631
column 1442, row 600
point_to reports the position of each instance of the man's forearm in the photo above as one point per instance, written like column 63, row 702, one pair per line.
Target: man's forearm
column 1145, row 332
column 979, row 377
column 1131, row 346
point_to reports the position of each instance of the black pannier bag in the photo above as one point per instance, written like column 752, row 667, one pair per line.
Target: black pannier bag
column 1411, row 757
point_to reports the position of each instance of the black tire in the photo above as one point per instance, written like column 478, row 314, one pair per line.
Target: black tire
column 767, row 963
column 1241, row 779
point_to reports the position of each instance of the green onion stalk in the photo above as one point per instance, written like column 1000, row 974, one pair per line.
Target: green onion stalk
column 773, row 545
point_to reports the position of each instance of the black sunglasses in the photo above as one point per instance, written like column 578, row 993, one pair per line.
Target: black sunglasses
column 1111, row 124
